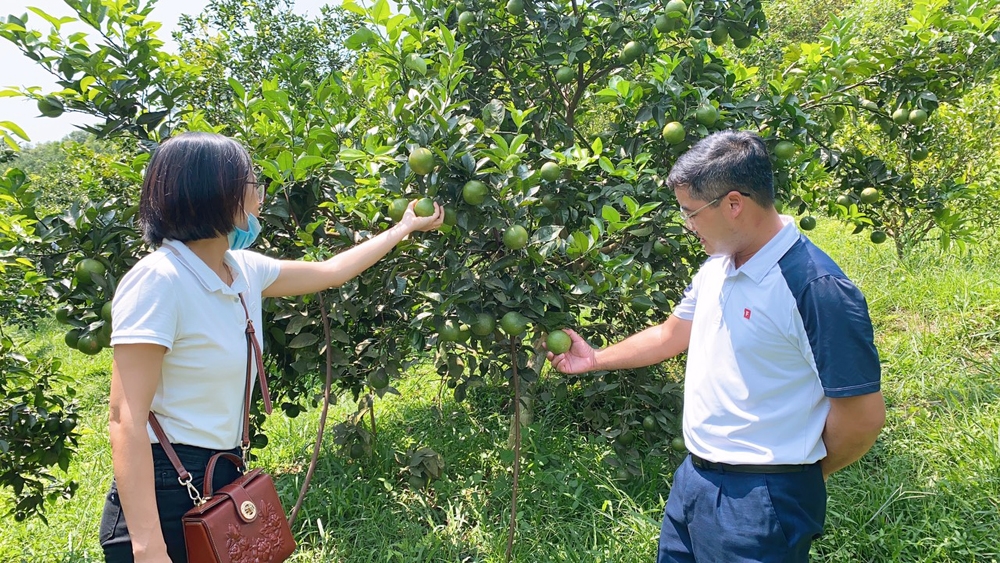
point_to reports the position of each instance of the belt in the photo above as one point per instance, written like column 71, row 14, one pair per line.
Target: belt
column 730, row 468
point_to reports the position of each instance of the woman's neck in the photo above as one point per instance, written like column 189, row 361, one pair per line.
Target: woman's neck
column 212, row 251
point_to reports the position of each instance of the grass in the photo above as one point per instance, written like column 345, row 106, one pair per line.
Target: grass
column 929, row 490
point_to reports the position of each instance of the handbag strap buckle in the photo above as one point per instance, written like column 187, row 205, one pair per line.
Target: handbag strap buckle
column 192, row 491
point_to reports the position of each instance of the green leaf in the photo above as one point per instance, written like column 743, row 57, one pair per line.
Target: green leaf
column 13, row 128
column 611, row 214
column 303, row 340
column 238, row 88
column 380, row 13
column 285, row 162
column 631, row 205
column 307, row 162
column 351, row 6
column 359, row 39
column 56, row 22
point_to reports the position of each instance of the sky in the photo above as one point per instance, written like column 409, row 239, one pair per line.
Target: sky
column 18, row 70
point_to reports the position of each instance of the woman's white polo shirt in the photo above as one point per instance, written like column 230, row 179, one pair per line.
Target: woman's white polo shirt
column 172, row 298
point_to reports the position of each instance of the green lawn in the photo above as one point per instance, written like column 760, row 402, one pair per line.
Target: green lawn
column 929, row 490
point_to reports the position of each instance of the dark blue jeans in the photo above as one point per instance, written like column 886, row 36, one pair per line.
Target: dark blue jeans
column 172, row 501
column 718, row 516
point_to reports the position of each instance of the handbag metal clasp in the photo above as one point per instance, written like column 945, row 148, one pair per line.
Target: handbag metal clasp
column 192, row 491
column 249, row 510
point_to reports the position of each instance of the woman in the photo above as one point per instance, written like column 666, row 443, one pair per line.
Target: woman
column 178, row 332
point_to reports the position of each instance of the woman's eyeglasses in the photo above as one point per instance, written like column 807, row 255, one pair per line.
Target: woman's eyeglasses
column 260, row 185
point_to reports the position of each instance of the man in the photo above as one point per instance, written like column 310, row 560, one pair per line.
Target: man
column 782, row 380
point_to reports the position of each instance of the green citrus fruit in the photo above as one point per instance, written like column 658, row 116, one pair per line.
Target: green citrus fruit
column 550, row 202
column 72, row 337
column 784, row 150
column 742, row 42
column 515, row 7
column 465, row 18
column 421, row 160
column 449, row 331
column 649, row 423
column 474, row 192
column 919, row 153
column 106, row 312
column 878, row 237
column 62, row 315
column 901, row 116
column 104, row 335
column 720, row 35
column 50, row 106
column 660, row 249
column 677, row 6
column 917, row 117
column 736, row 33
column 707, row 115
column 632, row 51
column 397, row 208
column 678, row 444
column 515, row 237
column 869, row 195
column 450, row 216
column 379, row 380
column 673, row 133
column 565, row 75
column 558, row 342
column 424, row 207
column 514, row 323
column 663, row 24
column 88, row 267
column 626, row 438
column 89, row 344
column 550, row 171
column 483, row 325
column 843, row 200
column 807, row 223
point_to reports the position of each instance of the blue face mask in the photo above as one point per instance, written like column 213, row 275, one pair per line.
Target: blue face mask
column 240, row 239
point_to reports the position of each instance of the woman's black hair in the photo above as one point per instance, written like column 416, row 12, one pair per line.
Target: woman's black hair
column 194, row 188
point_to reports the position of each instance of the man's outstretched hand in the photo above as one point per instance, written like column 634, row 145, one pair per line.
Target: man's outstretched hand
column 580, row 358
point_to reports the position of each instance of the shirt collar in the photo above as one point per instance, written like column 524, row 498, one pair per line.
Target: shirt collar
column 208, row 278
column 761, row 263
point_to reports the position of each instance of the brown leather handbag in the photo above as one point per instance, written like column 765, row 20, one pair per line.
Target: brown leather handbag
column 244, row 521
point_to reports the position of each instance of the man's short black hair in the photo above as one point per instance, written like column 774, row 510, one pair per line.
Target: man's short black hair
column 194, row 188
column 723, row 162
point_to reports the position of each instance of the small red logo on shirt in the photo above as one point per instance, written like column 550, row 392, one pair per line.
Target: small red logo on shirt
column 746, row 313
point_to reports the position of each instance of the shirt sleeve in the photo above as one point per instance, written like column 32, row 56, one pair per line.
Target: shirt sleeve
column 840, row 334
column 144, row 308
column 685, row 309
column 261, row 270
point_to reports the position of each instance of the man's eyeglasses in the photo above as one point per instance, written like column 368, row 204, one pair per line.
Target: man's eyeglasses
column 687, row 216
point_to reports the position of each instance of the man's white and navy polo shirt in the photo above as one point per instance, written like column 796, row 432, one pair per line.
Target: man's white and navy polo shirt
column 771, row 342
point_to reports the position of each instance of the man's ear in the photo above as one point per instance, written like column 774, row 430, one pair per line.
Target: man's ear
column 736, row 203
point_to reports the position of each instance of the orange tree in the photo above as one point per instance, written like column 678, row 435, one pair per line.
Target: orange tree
column 546, row 129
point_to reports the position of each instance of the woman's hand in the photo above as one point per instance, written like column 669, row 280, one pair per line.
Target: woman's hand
column 412, row 223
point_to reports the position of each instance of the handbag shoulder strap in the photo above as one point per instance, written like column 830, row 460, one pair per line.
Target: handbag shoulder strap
column 253, row 355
